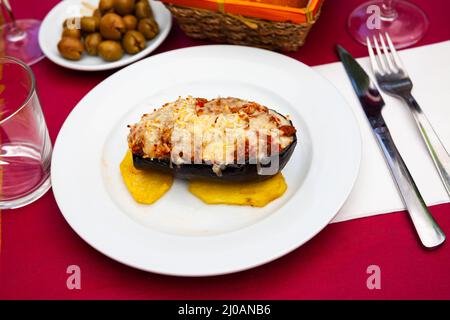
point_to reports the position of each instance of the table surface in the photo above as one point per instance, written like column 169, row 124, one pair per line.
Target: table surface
column 37, row 245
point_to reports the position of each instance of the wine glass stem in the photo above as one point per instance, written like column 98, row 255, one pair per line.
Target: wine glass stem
column 388, row 12
column 15, row 34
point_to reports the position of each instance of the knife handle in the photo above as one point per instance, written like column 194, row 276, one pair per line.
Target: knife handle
column 429, row 232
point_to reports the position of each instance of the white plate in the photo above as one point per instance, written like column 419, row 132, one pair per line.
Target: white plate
column 51, row 29
column 180, row 235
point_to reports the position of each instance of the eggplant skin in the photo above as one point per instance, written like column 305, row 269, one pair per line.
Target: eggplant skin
column 232, row 172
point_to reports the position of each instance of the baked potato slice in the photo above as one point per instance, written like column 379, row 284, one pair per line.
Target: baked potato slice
column 145, row 186
column 255, row 194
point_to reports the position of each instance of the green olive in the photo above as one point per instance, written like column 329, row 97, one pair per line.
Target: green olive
column 91, row 43
column 143, row 10
column 133, row 42
column 112, row 26
column 90, row 24
column 71, row 33
column 106, row 6
column 97, row 13
column 110, row 50
column 123, row 7
column 148, row 27
column 130, row 22
column 71, row 48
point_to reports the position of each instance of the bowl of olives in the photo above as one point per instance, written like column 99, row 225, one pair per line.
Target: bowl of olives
column 93, row 35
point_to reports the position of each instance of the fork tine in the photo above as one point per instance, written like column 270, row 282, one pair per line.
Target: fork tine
column 373, row 60
column 387, row 55
column 380, row 56
column 395, row 55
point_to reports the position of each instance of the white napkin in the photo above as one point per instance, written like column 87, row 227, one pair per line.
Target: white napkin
column 375, row 192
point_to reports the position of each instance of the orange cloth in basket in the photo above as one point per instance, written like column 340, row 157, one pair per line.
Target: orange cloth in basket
column 263, row 9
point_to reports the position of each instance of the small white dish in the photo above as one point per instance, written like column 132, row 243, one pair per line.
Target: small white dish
column 51, row 29
column 179, row 234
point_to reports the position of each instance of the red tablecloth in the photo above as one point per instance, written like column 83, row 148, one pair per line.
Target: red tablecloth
column 38, row 245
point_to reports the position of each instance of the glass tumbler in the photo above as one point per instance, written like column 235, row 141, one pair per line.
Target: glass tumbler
column 25, row 146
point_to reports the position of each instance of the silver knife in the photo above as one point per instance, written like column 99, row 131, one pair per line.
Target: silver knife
column 429, row 232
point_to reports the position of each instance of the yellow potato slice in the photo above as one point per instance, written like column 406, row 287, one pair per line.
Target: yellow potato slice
column 144, row 186
column 256, row 194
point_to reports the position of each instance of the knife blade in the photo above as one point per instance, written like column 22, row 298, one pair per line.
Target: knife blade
column 429, row 232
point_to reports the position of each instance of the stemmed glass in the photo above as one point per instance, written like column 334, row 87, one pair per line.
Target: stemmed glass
column 20, row 37
column 405, row 22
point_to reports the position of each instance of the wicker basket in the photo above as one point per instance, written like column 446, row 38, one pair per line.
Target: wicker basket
column 235, row 29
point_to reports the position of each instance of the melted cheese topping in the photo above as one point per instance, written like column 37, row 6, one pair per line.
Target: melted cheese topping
column 219, row 131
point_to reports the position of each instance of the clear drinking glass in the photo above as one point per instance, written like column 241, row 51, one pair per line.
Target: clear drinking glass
column 405, row 22
column 25, row 146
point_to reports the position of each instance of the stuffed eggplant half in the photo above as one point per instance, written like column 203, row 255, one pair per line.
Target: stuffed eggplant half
column 225, row 139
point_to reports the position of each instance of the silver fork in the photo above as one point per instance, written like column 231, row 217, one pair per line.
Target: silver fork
column 394, row 80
